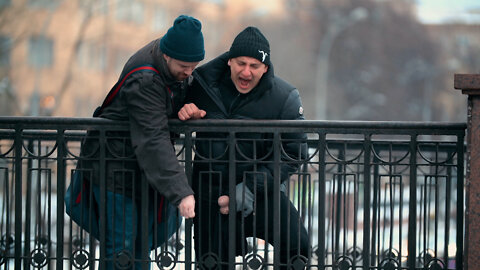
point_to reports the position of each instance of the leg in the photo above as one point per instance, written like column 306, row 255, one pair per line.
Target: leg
column 293, row 234
column 294, row 241
column 122, row 239
column 210, row 235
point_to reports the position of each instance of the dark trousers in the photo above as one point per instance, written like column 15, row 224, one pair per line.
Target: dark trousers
column 211, row 233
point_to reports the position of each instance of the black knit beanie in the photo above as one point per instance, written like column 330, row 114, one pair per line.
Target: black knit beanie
column 184, row 40
column 251, row 42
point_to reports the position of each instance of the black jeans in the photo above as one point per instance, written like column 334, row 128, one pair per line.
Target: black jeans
column 211, row 232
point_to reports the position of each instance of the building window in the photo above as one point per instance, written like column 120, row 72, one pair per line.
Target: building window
column 91, row 56
column 120, row 58
column 213, row 1
column 5, row 47
column 40, row 52
column 4, row 3
column 130, row 11
column 49, row 4
column 99, row 7
column 160, row 19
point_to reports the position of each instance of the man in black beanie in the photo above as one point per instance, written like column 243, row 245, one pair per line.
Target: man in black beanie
column 150, row 90
column 240, row 84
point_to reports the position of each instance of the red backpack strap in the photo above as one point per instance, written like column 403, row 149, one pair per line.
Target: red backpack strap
column 114, row 91
column 160, row 209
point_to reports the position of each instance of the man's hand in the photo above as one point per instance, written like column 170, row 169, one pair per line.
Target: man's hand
column 223, row 203
column 190, row 111
column 187, row 207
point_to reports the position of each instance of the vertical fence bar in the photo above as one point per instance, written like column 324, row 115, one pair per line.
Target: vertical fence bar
column 28, row 199
column 322, row 199
column 412, row 219
column 338, row 178
column 188, row 222
column 448, row 201
column 61, row 153
column 375, row 205
column 470, row 85
column 276, row 198
column 103, row 201
column 366, row 204
column 144, row 202
column 18, row 195
column 232, row 203
column 8, row 234
column 460, row 203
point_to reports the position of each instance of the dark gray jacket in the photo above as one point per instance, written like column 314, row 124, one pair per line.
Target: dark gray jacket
column 146, row 100
column 273, row 98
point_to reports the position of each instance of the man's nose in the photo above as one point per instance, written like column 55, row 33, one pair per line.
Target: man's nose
column 246, row 71
column 188, row 71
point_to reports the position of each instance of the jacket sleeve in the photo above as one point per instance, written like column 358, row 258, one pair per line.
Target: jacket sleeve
column 293, row 152
column 145, row 101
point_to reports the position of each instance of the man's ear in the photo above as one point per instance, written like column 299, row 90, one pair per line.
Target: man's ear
column 266, row 69
column 228, row 63
column 166, row 57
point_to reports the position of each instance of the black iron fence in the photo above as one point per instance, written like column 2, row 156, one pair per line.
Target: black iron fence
column 371, row 195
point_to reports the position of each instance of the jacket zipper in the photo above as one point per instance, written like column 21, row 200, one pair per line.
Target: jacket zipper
column 171, row 97
column 233, row 103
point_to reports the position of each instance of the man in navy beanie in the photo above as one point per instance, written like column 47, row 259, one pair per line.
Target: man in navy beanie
column 150, row 90
column 241, row 84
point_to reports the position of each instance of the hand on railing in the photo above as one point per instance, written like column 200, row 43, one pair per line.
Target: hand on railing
column 187, row 207
column 190, row 111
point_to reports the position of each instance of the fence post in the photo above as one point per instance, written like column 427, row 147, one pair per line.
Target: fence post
column 470, row 85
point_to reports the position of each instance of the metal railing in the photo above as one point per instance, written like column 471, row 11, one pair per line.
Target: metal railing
column 375, row 195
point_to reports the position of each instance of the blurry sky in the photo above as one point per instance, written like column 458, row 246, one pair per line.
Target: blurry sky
column 437, row 11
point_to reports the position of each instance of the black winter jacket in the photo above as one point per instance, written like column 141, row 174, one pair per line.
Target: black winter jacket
column 146, row 100
column 272, row 98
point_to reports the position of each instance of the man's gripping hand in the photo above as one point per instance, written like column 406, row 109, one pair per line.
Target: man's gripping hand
column 187, row 207
column 223, row 203
column 190, row 111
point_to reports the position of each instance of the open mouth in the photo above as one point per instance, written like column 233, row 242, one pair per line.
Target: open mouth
column 244, row 83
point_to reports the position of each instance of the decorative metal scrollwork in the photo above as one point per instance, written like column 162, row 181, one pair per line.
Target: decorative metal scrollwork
column 344, row 263
column 426, row 256
column 436, row 264
column 355, row 253
column 389, row 264
column 3, row 254
column 80, row 259
column 390, row 254
column 123, row 260
column 38, row 258
column 209, row 261
column 166, row 260
column 255, row 261
column 7, row 241
column 42, row 240
column 298, row 262
column 316, row 252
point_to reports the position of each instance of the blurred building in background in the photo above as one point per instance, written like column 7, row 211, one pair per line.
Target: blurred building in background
column 350, row 59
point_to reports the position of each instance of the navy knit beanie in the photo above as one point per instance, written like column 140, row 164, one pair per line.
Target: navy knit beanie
column 251, row 42
column 184, row 40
